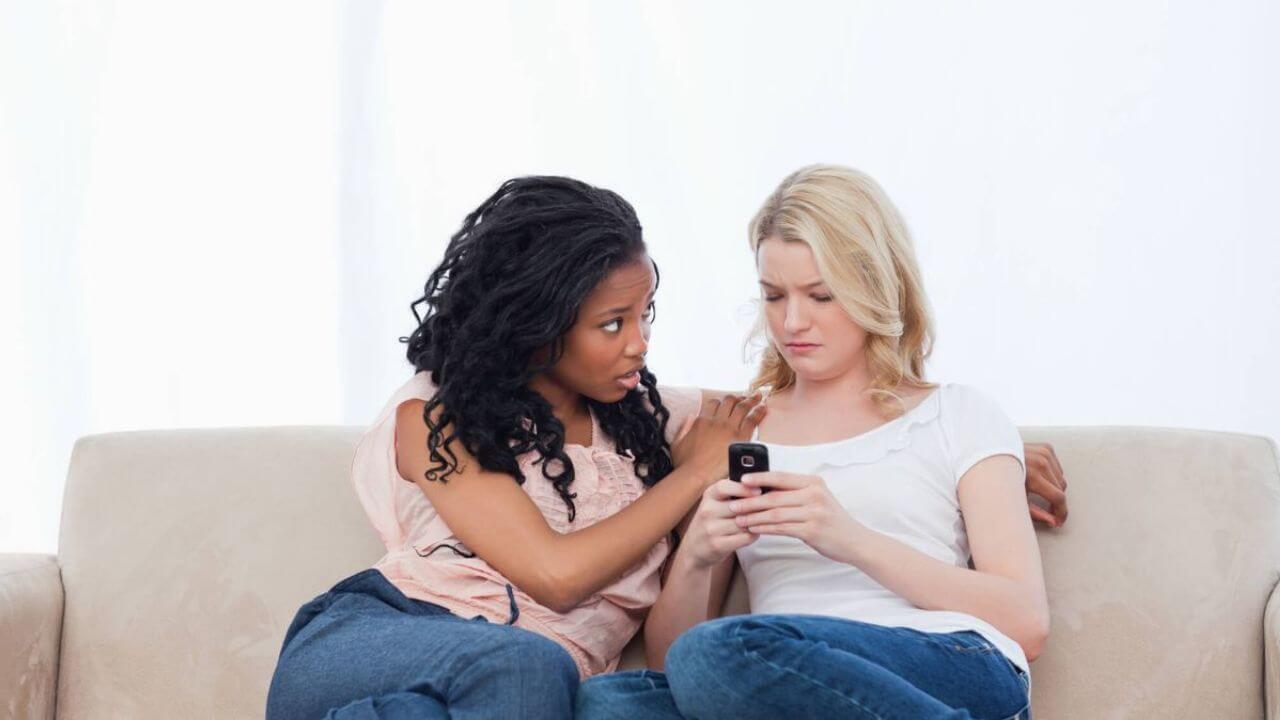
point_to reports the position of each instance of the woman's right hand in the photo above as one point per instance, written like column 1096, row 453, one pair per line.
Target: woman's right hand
column 714, row 533
column 721, row 421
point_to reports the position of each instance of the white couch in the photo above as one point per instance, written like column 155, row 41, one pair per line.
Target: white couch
column 184, row 554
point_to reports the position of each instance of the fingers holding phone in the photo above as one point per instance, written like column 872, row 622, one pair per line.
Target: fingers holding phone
column 714, row 533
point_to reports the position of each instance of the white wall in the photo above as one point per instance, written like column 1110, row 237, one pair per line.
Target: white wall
column 218, row 215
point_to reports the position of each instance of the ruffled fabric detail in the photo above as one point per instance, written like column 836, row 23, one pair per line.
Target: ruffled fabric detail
column 873, row 445
column 604, row 482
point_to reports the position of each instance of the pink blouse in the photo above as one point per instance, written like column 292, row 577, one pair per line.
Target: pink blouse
column 595, row 632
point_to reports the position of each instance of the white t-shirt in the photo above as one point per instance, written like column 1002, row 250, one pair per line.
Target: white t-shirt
column 899, row 479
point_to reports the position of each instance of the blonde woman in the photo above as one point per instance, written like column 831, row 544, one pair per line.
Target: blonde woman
column 892, row 567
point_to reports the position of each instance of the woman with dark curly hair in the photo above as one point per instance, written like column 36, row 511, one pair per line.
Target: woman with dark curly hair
column 495, row 597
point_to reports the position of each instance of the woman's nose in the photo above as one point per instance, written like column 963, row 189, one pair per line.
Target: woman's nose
column 796, row 319
column 638, row 343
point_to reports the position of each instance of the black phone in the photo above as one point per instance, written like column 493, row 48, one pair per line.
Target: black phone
column 747, row 457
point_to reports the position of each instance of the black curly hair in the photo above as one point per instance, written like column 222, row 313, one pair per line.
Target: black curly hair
column 511, row 282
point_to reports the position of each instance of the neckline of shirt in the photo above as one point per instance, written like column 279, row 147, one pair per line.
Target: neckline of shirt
column 930, row 400
column 596, row 432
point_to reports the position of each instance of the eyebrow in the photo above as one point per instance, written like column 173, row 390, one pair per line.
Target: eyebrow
column 624, row 308
column 813, row 284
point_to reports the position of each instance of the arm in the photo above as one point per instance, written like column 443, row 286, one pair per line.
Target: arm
column 696, row 577
column 693, row 594
column 1006, row 585
column 497, row 520
column 683, row 527
column 699, row 574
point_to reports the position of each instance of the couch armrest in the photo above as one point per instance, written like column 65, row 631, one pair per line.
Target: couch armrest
column 31, row 628
column 1271, row 653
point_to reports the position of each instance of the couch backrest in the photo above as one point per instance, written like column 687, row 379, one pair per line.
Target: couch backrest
column 185, row 554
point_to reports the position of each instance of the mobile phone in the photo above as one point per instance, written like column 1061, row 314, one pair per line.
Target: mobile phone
column 747, row 457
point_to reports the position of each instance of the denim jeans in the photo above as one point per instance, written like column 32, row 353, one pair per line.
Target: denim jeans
column 365, row 650
column 807, row 666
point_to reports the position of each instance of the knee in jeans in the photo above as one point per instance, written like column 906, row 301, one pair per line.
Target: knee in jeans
column 534, row 657
column 703, row 648
column 715, row 668
column 760, row 636
column 702, row 659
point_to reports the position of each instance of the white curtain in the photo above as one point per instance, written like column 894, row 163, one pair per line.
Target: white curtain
column 216, row 214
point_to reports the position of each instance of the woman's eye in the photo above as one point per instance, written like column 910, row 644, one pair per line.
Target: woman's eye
column 650, row 313
column 613, row 326
column 822, row 298
column 772, row 298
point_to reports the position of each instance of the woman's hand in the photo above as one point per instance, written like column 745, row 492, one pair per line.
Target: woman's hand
column 713, row 534
column 1045, row 479
column 721, row 421
column 798, row 506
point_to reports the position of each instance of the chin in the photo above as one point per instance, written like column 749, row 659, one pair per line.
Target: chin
column 808, row 368
column 609, row 396
column 813, row 373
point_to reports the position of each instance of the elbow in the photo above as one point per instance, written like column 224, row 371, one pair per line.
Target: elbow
column 1035, row 636
column 555, row 591
column 560, row 603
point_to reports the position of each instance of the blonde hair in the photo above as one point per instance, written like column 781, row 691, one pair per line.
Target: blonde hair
column 865, row 255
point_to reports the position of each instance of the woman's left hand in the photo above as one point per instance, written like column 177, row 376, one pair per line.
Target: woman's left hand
column 798, row 506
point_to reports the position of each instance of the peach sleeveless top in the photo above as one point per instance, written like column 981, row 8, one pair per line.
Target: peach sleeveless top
column 427, row 562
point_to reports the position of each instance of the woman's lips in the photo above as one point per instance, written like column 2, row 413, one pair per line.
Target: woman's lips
column 801, row 348
column 630, row 380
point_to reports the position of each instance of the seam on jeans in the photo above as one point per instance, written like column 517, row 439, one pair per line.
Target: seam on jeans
column 986, row 647
column 983, row 645
column 743, row 646
column 1018, row 715
column 973, row 651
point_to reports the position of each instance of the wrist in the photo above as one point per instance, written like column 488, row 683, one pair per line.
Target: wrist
column 858, row 540
column 689, row 562
column 700, row 472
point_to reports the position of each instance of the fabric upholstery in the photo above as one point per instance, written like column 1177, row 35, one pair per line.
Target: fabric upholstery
column 30, row 630
column 184, row 554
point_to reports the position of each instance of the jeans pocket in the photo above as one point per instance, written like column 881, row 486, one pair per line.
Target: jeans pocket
column 967, row 641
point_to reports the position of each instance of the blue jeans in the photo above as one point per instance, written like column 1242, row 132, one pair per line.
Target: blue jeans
column 807, row 666
column 365, row 650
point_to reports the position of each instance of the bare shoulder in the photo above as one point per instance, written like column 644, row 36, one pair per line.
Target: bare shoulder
column 411, row 441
